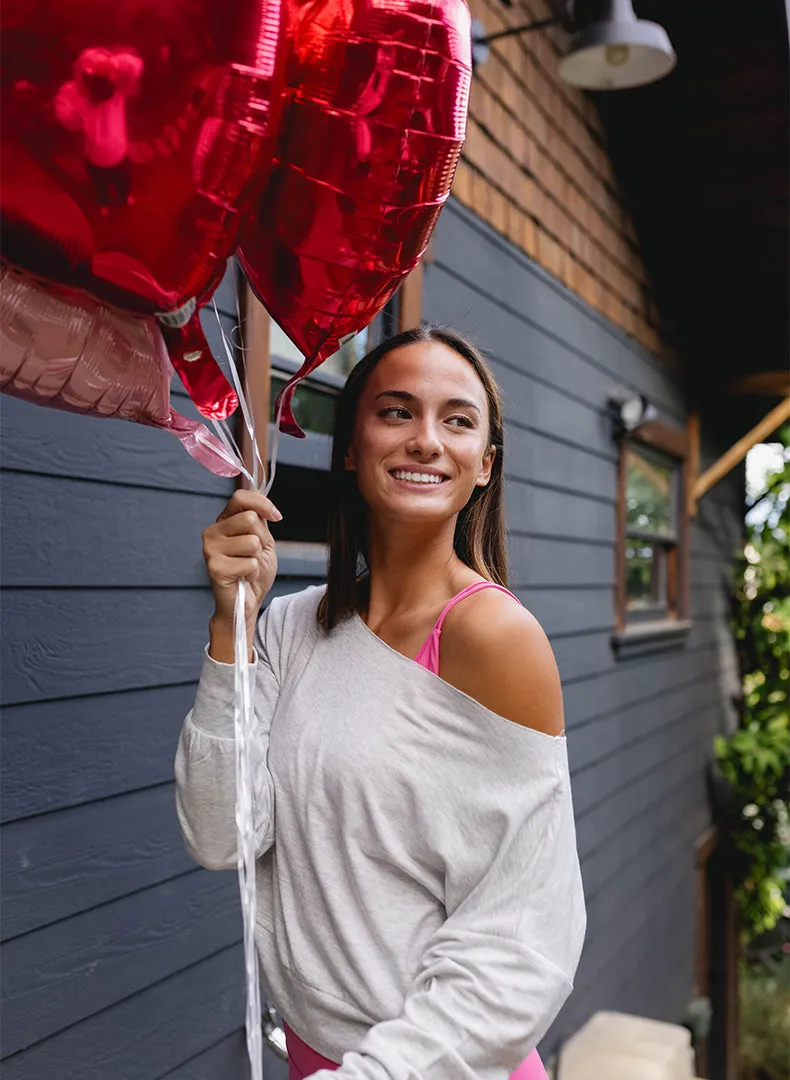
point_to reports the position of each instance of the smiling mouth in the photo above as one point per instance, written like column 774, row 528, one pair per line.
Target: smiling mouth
column 419, row 478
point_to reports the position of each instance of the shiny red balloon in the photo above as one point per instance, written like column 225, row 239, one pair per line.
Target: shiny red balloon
column 373, row 124
column 74, row 354
column 134, row 135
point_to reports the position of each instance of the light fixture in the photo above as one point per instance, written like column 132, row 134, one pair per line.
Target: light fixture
column 615, row 52
column 618, row 52
column 630, row 410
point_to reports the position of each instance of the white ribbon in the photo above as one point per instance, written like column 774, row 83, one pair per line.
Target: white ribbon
column 244, row 722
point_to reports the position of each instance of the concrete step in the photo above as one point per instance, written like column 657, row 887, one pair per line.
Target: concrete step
column 619, row 1046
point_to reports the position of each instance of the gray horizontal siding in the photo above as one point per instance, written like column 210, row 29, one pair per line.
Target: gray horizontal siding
column 119, row 956
column 149, row 1033
column 105, row 613
column 640, row 730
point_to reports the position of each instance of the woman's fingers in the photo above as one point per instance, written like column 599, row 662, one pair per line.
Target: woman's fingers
column 246, row 522
column 248, row 545
column 243, row 500
column 225, row 568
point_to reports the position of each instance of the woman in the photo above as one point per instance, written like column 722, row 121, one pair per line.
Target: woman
column 420, row 905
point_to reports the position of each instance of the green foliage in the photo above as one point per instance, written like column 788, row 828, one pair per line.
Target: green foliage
column 755, row 760
column 765, row 1021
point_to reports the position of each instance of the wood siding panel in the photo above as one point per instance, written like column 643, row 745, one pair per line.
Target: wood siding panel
column 80, row 757
column 58, row 865
column 148, row 1034
column 66, row 972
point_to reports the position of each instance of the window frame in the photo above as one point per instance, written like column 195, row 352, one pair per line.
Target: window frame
column 407, row 313
column 673, row 620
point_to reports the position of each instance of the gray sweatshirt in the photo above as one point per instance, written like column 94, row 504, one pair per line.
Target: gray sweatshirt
column 420, row 907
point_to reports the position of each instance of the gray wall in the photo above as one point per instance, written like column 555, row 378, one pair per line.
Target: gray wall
column 120, row 957
column 639, row 730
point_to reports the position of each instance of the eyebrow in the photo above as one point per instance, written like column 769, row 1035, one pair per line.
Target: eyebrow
column 404, row 395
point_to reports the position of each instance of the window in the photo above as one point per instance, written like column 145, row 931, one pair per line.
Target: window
column 651, row 514
column 652, row 578
column 314, row 399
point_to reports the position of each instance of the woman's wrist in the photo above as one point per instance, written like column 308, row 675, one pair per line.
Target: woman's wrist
column 222, row 640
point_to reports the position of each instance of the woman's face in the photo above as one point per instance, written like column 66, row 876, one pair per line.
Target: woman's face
column 421, row 439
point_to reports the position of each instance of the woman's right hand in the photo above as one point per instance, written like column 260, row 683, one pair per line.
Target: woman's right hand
column 239, row 546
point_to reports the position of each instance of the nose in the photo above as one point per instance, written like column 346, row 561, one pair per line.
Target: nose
column 425, row 443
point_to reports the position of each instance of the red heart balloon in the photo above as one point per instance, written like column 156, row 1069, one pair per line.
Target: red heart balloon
column 134, row 135
column 374, row 120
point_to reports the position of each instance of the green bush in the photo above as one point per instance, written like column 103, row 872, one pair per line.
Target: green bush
column 765, row 1021
column 755, row 760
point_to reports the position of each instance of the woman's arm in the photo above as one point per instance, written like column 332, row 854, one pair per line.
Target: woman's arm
column 206, row 762
column 238, row 546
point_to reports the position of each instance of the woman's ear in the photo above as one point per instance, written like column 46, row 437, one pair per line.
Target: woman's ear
column 484, row 475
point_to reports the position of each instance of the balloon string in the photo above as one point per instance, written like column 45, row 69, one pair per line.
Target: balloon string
column 243, row 725
column 244, row 719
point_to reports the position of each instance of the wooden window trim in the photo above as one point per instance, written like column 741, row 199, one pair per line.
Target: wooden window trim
column 410, row 300
column 634, row 638
column 256, row 375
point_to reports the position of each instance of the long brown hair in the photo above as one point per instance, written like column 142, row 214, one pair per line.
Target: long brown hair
column 480, row 530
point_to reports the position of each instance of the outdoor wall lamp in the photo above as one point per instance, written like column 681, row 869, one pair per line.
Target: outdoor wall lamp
column 630, row 409
column 615, row 51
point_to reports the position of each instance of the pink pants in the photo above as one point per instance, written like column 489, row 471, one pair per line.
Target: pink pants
column 303, row 1062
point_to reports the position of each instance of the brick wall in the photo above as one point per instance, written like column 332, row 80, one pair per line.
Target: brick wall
column 536, row 168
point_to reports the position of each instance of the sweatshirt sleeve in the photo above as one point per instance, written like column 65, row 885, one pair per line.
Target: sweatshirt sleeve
column 205, row 766
column 495, row 975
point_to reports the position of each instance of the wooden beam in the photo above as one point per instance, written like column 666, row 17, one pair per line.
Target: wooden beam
column 764, row 383
column 671, row 440
column 257, row 375
column 735, row 455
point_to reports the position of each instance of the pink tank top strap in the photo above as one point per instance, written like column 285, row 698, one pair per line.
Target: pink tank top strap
column 477, row 586
column 428, row 656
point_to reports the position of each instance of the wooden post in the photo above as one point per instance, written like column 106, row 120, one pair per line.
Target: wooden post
column 735, row 455
column 410, row 296
column 705, row 847
column 692, row 464
column 732, row 975
column 257, row 375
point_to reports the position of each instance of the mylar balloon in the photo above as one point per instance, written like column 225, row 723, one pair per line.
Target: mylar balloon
column 134, row 134
column 374, row 120
column 75, row 354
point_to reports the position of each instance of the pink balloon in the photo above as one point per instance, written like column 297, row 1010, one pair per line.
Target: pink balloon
column 75, row 354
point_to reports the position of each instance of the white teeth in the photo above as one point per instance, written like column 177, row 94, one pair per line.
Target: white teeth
column 417, row 478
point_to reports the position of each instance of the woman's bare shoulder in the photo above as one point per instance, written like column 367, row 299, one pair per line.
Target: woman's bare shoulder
column 496, row 651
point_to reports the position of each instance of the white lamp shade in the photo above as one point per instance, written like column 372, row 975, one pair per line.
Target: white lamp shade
column 618, row 52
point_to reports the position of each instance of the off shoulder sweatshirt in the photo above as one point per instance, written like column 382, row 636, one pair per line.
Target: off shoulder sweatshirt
column 420, row 907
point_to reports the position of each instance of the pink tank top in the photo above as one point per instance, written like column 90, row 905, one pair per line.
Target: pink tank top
column 303, row 1060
